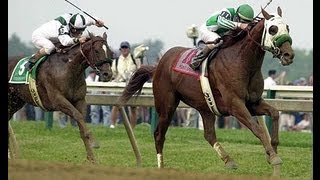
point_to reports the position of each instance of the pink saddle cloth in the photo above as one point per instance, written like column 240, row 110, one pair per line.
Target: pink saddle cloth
column 182, row 63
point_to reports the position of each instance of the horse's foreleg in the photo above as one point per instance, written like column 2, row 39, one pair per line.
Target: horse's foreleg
column 82, row 107
column 66, row 107
column 240, row 111
column 265, row 109
column 208, row 119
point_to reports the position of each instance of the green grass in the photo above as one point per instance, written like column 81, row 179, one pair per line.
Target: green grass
column 184, row 149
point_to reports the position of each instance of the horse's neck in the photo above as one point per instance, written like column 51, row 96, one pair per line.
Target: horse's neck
column 250, row 52
column 76, row 61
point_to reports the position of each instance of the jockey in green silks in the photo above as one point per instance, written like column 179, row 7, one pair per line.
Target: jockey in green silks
column 219, row 23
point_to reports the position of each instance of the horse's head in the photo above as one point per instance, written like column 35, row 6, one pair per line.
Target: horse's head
column 276, row 38
column 99, row 56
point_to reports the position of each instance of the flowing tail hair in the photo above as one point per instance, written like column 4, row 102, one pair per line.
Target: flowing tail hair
column 136, row 82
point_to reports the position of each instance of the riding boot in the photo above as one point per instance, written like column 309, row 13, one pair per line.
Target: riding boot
column 202, row 55
column 34, row 58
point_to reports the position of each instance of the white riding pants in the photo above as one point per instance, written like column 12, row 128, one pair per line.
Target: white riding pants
column 207, row 35
column 41, row 42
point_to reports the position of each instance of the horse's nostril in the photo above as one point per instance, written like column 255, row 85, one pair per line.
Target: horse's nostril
column 288, row 55
column 105, row 74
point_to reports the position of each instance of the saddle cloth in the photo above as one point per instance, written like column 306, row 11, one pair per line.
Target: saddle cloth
column 20, row 74
column 182, row 63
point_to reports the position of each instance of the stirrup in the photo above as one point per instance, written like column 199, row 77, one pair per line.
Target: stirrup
column 29, row 65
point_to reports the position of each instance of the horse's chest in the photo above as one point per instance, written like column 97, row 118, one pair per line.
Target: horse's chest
column 75, row 93
column 254, row 95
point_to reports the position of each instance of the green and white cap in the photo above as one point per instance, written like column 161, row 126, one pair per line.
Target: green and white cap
column 245, row 12
column 77, row 21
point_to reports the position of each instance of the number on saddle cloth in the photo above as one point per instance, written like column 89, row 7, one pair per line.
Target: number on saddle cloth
column 20, row 74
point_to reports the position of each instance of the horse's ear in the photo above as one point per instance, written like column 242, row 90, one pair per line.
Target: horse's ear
column 265, row 14
column 105, row 36
column 279, row 11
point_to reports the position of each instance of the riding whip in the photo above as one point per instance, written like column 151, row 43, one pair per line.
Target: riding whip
column 84, row 12
column 264, row 7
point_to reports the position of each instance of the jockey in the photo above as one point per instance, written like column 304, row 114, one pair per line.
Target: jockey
column 218, row 24
column 66, row 29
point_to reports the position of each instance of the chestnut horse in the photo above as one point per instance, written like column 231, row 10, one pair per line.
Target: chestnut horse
column 236, row 82
column 61, row 82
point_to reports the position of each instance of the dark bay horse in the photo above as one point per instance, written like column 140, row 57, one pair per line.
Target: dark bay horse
column 61, row 82
column 236, row 82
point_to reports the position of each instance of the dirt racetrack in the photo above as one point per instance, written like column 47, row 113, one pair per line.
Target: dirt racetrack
column 36, row 170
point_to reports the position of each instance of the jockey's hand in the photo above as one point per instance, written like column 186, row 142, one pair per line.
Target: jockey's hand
column 82, row 39
column 99, row 23
column 243, row 25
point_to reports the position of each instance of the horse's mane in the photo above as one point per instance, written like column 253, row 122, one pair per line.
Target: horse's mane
column 64, row 49
column 231, row 37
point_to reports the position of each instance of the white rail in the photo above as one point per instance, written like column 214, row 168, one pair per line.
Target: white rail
column 298, row 98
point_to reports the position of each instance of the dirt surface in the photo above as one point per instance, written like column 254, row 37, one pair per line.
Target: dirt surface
column 36, row 170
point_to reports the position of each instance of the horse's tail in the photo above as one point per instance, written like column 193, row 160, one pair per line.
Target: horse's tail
column 136, row 82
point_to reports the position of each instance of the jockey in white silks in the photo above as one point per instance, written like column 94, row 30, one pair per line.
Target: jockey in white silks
column 66, row 29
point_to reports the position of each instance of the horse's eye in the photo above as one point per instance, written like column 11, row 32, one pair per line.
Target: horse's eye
column 96, row 51
column 288, row 28
column 273, row 30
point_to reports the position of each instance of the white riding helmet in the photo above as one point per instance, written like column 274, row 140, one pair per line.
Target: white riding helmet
column 77, row 21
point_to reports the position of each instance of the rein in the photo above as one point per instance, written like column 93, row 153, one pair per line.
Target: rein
column 250, row 37
column 93, row 66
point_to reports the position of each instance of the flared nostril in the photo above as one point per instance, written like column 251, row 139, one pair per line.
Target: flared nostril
column 288, row 55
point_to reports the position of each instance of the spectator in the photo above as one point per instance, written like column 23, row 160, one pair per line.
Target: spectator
column 95, row 110
column 303, row 125
column 30, row 112
column 122, row 69
column 280, row 78
column 38, row 114
column 299, row 115
column 286, row 120
column 269, row 81
column 63, row 119
column 192, row 118
column 310, row 80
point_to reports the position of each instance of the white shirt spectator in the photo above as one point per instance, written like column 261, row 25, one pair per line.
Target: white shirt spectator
column 269, row 82
column 92, row 77
column 125, row 68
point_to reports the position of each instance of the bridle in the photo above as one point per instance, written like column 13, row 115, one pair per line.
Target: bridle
column 274, row 50
column 96, row 64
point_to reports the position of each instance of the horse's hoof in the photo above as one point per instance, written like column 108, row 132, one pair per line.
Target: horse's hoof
column 91, row 161
column 231, row 165
column 95, row 145
column 275, row 160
